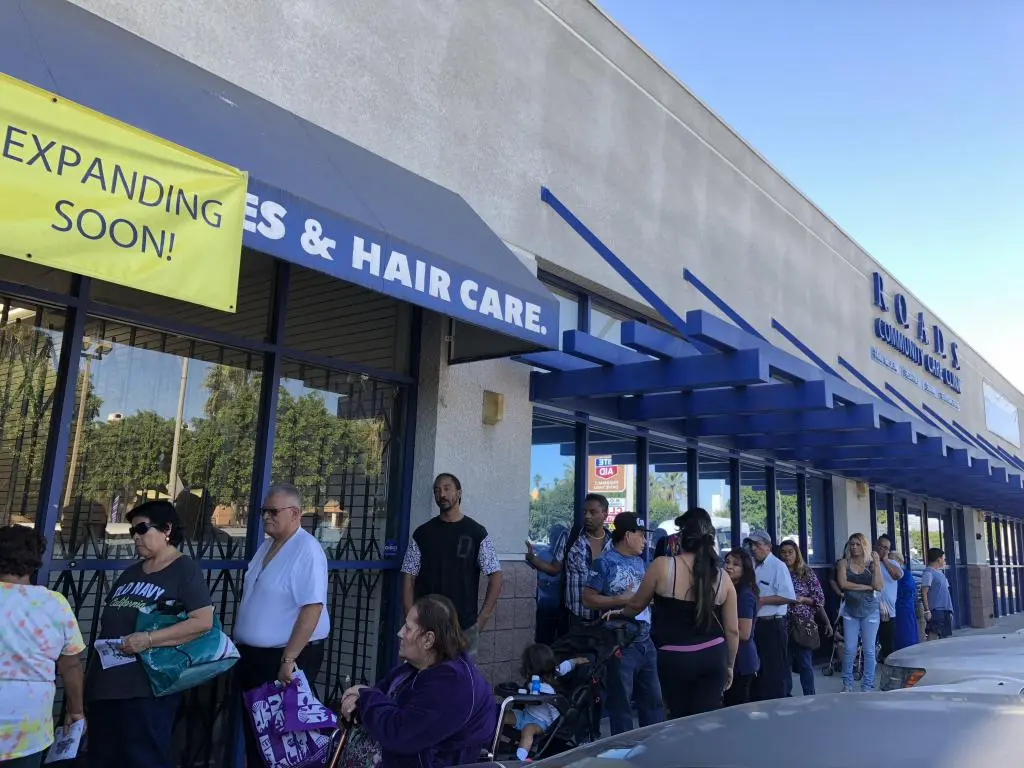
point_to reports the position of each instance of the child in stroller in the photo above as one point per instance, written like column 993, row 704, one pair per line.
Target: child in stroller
column 590, row 647
column 536, row 719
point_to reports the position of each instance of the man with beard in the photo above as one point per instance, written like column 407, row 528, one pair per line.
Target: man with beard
column 446, row 556
column 573, row 556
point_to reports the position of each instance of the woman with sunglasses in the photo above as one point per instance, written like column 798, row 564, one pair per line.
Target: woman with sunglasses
column 129, row 727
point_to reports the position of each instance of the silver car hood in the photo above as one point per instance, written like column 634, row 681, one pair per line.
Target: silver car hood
column 913, row 729
column 996, row 654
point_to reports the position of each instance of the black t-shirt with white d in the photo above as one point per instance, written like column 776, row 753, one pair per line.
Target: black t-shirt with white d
column 181, row 581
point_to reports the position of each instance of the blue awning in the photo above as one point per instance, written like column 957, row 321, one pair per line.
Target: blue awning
column 379, row 225
column 724, row 386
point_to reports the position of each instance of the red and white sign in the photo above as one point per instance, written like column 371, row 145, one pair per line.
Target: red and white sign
column 605, row 477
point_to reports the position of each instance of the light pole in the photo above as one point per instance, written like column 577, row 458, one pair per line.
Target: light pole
column 102, row 347
column 172, row 486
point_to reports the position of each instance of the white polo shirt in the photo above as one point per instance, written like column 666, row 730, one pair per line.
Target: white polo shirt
column 890, row 586
column 773, row 579
column 273, row 596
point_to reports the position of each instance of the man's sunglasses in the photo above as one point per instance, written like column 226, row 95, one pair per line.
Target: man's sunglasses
column 273, row 511
column 141, row 529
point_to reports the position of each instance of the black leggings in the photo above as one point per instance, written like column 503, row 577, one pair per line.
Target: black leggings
column 692, row 681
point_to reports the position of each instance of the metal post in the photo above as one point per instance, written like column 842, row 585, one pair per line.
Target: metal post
column 266, row 421
column 890, row 528
column 692, row 478
column 55, row 459
column 641, row 475
column 873, row 507
column 734, row 502
column 830, row 521
column 771, row 503
column 582, row 471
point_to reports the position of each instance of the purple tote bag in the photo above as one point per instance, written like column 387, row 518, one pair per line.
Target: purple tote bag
column 282, row 748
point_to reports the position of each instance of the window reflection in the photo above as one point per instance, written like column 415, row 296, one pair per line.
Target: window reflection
column 611, row 470
column 667, row 486
column 30, row 340
column 881, row 513
column 916, row 538
column 606, row 325
column 754, row 500
column 552, row 482
column 787, row 508
column 333, row 442
column 715, row 493
column 162, row 417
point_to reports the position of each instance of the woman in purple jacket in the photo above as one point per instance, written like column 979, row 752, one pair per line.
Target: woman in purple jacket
column 436, row 709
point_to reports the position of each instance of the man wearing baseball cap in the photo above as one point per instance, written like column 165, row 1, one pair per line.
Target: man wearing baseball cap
column 771, row 630
column 633, row 675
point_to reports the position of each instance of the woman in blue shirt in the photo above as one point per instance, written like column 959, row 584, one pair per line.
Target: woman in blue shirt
column 740, row 567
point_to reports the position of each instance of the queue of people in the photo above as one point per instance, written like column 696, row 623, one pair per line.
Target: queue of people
column 710, row 631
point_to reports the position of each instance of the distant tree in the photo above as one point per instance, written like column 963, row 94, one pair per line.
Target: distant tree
column 552, row 504
column 126, row 457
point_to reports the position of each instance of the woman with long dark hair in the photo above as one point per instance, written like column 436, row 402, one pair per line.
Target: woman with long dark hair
column 694, row 626
column 740, row 567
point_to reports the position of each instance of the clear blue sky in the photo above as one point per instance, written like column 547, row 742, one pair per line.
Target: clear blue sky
column 903, row 121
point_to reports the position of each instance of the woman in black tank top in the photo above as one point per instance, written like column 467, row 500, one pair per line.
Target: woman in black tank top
column 696, row 630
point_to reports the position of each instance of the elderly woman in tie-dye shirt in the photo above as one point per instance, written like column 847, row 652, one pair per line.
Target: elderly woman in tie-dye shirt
column 37, row 628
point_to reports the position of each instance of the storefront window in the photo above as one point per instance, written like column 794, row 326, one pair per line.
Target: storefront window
column 881, row 513
column 666, row 486
column 250, row 319
column 817, row 546
column 917, row 548
column 899, row 544
column 30, row 341
column 935, row 534
column 611, row 470
column 606, row 325
column 346, row 322
column 552, row 481
column 787, row 507
column 568, row 313
column 715, row 493
column 753, row 500
column 333, row 441
column 163, row 417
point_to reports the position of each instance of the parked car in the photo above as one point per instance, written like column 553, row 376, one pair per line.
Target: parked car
column 997, row 656
column 918, row 728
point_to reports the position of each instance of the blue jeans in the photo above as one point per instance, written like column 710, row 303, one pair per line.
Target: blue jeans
column 634, row 675
column 867, row 630
column 802, row 660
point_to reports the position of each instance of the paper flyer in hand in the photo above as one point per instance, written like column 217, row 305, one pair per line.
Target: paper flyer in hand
column 111, row 655
column 66, row 741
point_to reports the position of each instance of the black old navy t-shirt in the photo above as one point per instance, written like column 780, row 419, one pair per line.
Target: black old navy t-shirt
column 181, row 581
column 450, row 563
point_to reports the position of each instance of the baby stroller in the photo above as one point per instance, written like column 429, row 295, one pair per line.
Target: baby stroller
column 835, row 662
column 578, row 697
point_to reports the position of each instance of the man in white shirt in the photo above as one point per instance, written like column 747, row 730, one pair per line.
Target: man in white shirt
column 282, row 620
column 771, row 630
column 892, row 572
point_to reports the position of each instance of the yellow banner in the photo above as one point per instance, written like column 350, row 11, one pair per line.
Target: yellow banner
column 83, row 192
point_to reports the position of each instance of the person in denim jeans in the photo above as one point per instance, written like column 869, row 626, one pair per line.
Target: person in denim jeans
column 809, row 607
column 633, row 676
column 860, row 577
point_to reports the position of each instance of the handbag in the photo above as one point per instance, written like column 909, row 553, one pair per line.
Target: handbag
column 265, row 706
column 172, row 669
column 804, row 633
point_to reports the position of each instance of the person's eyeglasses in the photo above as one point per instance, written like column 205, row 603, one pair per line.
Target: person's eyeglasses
column 141, row 529
column 273, row 511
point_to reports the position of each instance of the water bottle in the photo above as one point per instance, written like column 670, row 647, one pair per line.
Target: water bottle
column 535, row 685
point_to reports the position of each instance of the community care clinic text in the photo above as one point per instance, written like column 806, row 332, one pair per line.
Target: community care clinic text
column 64, row 160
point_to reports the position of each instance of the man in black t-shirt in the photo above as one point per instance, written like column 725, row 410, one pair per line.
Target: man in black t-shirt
column 446, row 556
